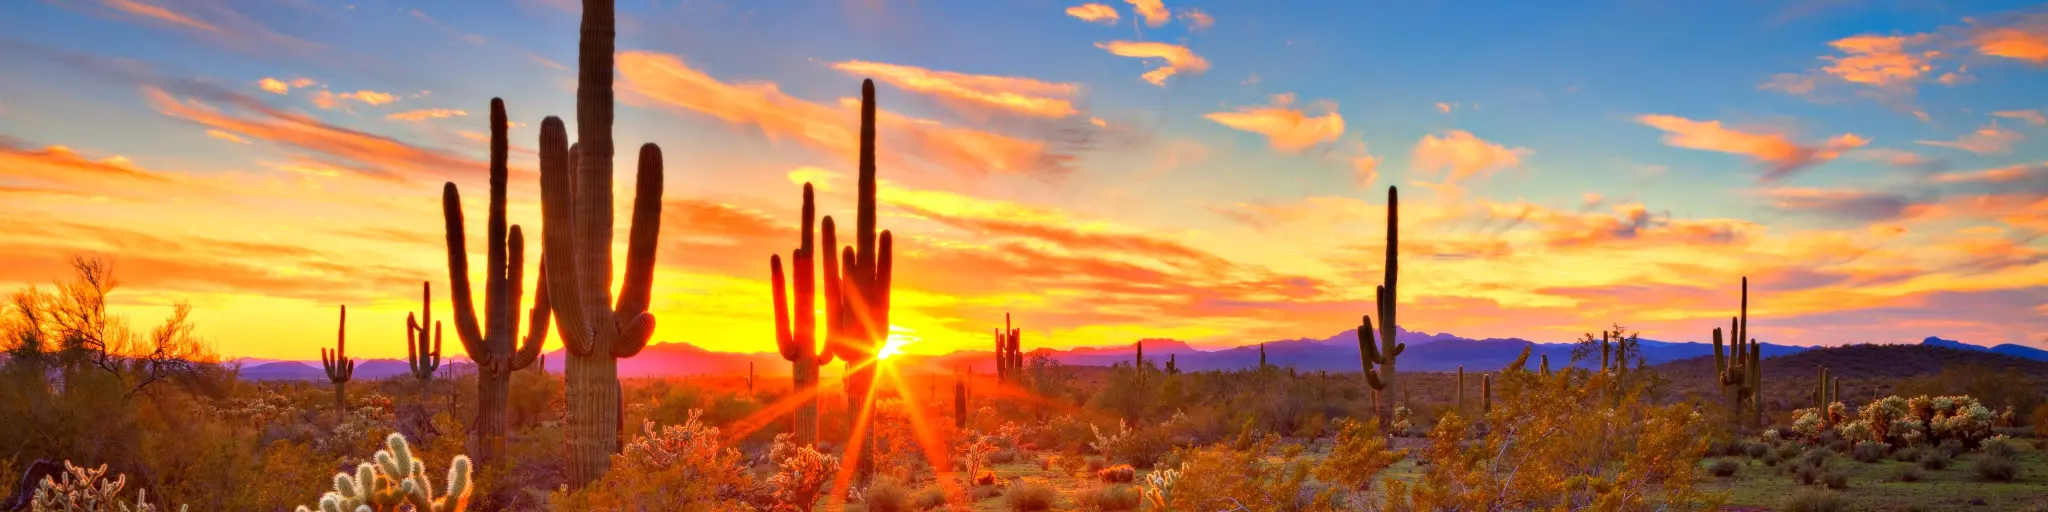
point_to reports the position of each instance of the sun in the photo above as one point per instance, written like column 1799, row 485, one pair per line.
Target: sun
column 892, row 347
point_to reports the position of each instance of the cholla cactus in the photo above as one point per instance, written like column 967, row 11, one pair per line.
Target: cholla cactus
column 1159, row 487
column 1808, row 422
column 1858, row 430
column 1402, row 420
column 83, row 490
column 801, row 473
column 397, row 481
column 1770, row 435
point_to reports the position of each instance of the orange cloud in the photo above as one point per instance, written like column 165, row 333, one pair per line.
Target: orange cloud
column 1365, row 170
column 1633, row 222
column 61, row 167
column 2026, row 39
column 2032, row 117
column 1860, row 205
column 364, row 153
column 1789, row 83
column 1196, row 19
column 1879, row 61
column 1154, row 11
column 1896, row 158
column 1020, row 95
column 2008, row 173
column 1094, row 13
column 1178, row 58
column 1990, row 139
column 1464, row 155
column 1288, row 129
column 329, row 100
column 1780, row 153
column 666, row 80
column 226, row 136
column 425, row 114
column 158, row 13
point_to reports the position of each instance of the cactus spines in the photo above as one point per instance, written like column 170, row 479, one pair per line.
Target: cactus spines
column 397, row 480
column 337, row 363
column 576, row 218
column 490, row 341
column 1384, row 351
column 423, row 353
column 798, row 341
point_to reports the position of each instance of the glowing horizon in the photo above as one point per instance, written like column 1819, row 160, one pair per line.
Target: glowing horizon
column 1215, row 174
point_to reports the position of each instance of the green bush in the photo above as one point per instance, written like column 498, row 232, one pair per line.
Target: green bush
column 1814, row 501
column 2001, row 448
column 1908, row 474
column 1907, row 454
column 1868, row 451
column 1835, row 479
column 1934, row 460
column 1723, row 468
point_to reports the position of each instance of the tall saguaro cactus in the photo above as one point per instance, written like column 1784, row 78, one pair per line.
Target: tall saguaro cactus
column 1009, row 352
column 490, row 342
column 799, row 341
column 1383, row 352
column 338, row 365
column 1461, row 389
column 857, row 285
column 576, row 219
column 1740, row 370
column 959, row 402
column 421, row 356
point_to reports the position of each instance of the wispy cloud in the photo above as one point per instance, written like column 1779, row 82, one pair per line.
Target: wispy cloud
column 1463, row 155
column 2025, row 37
column 1153, row 11
column 1778, row 152
column 1094, row 13
column 276, row 86
column 330, row 100
column 425, row 114
column 1178, row 58
column 2032, row 117
column 1010, row 94
column 158, row 13
column 665, row 80
column 1991, row 139
column 226, row 136
column 356, row 151
column 1287, row 128
column 1197, row 20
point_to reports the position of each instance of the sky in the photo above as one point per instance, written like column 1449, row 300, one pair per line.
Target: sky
column 1215, row 172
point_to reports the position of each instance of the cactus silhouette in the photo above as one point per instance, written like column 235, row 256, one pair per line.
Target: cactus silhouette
column 338, row 365
column 959, row 402
column 1009, row 352
column 857, row 283
column 798, row 341
column 576, row 219
column 1485, row 394
column 1262, row 356
column 1461, row 389
column 1382, row 352
column 397, row 480
column 490, row 342
column 1171, row 367
column 1740, row 370
column 422, row 357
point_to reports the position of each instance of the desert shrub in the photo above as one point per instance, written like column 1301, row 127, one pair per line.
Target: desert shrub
column 1096, row 464
column 2001, row 447
column 1934, row 460
column 1952, row 447
column 1806, row 475
column 984, row 492
column 1723, row 468
column 1868, row 451
column 1995, row 469
column 1772, row 459
column 1787, row 451
column 1908, row 474
column 1814, row 501
column 1140, row 447
column 677, row 467
column 1358, row 455
column 1110, row 498
column 1061, row 433
column 1118, row 474
column 886, row 494
column 1002, row 457
column 1907, row 454
column 1755, row 450
column 1030, row 495
column 928, row 498
column 1071, row 464
column 1835, row 478
column 985, row 478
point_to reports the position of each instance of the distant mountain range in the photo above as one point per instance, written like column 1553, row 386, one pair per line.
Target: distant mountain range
column 1426, row 352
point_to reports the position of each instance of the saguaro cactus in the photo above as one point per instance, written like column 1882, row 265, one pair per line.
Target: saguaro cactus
column 1384, row 351
column 490, row 343
column 1461, row 388
column 1171, row 367
column 1741, row 369
column 1262, row 356
column 576, row 218
column 338, row 365
column 422, row 357
column 1009, row 352
column 799, row 341
column 959, row 402
column 1138, row 359
column 857, row 286
column 1485, row 393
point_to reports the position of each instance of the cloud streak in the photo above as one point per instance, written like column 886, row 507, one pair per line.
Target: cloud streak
column 1780, row 155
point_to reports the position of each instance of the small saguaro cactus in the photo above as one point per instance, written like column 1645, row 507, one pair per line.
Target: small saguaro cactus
column 1485, row 393
column 1382, row 352
column 1172, row 368
column 797, row 339
column 1138, row 359
column 338, row 365
column 1262, row 356
column 750, row 377
column 1546, row 364
column 422, row 357
column 959, row 402
column 1009, row 352
column 1461, row 388
column 1821, row 397
column 490, row 341
column 397, row 481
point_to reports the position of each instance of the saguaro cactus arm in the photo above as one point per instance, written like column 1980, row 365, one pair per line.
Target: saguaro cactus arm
column 336, row 362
